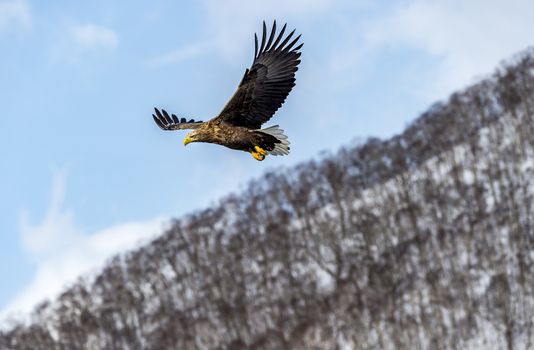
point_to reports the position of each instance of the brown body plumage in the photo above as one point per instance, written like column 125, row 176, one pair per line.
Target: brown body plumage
column 262, row 91
column 234, row 137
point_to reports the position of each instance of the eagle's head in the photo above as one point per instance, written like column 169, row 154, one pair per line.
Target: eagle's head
column 193, row 136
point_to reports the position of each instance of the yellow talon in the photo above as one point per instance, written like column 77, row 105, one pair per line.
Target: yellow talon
column 260, row 150
column 258, row 156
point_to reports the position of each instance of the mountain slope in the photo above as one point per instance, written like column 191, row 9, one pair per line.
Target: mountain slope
column 424, row 240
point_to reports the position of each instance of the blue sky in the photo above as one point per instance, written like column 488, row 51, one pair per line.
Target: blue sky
column 86, row 173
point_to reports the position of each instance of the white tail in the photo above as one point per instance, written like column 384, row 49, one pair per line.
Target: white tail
column 282, row 148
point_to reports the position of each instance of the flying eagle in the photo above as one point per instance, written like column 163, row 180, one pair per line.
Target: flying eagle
column 262, row 91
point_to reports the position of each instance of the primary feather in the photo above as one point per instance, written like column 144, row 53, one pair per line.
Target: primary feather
column 268, row 82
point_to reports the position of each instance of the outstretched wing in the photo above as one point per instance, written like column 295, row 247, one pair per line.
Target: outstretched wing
column 167, row 122
column 267, row 83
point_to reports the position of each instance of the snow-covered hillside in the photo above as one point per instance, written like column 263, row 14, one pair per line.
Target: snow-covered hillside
column 425, row 240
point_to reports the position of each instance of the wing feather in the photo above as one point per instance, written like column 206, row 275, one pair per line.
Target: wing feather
column 267, row 83
column 271, row 37
column 172, row 122
column 263, row 37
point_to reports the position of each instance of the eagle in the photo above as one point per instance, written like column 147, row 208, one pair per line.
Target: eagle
column 262, row 91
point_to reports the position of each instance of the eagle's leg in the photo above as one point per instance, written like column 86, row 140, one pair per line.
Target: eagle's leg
column 258, row 153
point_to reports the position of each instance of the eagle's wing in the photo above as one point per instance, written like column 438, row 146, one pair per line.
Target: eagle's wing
column 167, row 122
column 267, row 83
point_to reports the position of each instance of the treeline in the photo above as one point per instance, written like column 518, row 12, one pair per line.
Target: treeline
column 425, row 240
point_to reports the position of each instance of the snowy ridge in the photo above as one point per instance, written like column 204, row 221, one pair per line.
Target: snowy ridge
column 424, row 240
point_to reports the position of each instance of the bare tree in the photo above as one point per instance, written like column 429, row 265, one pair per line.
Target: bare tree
column 424, row 240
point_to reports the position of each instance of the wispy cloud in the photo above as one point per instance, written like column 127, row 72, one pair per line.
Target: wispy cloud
column 81, row 42
column 230, row 37
column 57, row 229
column 231, row 25
column 14, row 14
column 470, row 37
column 62, row 251
column 181, row 54
column 93, row 37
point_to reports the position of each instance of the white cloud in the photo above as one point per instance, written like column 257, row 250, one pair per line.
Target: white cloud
column 231, row 23
column 15, row 13
column 469, row 37
column 230, row 26
column 93, row 37
column 77, row 43
column 62, row 252
column 181, row 54
column 243, row 11
column 56, row 231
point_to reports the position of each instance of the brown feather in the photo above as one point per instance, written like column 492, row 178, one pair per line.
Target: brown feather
column 267, row 83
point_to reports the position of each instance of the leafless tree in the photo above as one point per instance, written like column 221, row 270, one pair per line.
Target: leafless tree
column 424, row 240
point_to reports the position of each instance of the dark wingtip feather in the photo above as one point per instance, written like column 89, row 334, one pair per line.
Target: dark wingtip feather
column 288, row 47
column 280, row 35
column 283, row 44
column 158, row 122
column 158, row 113
column 263, row 36
column 168, row 118
column 271, row 37
column 255, row 46
column 169, row 122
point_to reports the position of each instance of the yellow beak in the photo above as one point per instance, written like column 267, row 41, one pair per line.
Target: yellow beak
column 187, row 140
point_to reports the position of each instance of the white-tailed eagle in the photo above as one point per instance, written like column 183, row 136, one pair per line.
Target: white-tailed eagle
column 262, row 91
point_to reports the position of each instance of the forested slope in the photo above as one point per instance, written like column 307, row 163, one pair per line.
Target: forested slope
column 424, row 240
